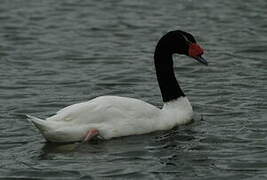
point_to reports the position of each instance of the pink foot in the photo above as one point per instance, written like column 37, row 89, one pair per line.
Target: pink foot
column 90, row 134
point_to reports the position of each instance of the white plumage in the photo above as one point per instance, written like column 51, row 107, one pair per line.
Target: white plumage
column 113, row 116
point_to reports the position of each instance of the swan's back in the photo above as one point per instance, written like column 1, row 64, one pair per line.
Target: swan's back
column 105, row 109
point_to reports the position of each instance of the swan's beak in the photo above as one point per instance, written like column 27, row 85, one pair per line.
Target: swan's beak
column 201, row 60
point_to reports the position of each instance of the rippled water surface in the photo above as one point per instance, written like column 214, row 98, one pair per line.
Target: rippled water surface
column 56, row 53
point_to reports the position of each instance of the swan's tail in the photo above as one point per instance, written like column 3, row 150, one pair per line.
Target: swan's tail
column 41, row 124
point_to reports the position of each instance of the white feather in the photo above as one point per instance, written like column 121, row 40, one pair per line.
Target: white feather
column 113, row 116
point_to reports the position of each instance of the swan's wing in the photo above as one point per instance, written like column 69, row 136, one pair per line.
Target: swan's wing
column 106, row 108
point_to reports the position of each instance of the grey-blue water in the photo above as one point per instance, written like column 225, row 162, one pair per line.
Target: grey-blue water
column 56, row 53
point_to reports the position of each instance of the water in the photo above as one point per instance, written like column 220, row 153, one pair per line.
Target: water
column 57, row 53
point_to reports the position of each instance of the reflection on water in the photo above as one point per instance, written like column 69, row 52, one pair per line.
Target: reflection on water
column 56, row 53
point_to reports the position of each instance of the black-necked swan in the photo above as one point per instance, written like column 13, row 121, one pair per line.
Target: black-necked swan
column 114, row 116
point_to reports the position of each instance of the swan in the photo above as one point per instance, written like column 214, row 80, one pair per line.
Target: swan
column 113, row 116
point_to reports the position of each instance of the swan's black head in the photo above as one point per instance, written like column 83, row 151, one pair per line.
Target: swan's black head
column 180, row 42
column 174, row 42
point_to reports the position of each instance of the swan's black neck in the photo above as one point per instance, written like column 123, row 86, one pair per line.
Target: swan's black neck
column 170, row 89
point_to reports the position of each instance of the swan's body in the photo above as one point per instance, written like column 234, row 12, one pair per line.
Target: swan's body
column 114, row 116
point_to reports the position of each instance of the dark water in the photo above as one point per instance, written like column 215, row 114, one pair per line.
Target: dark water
column 56, row 53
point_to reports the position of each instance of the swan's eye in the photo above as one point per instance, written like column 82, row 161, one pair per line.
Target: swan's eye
column 195, row 50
